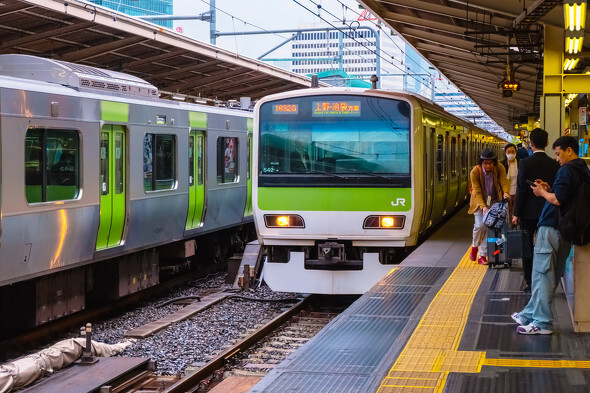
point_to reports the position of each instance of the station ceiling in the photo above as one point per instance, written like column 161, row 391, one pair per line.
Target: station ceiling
column 77, row 32
column 470, row 41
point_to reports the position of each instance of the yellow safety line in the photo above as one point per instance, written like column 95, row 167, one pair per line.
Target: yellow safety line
column 431, row 351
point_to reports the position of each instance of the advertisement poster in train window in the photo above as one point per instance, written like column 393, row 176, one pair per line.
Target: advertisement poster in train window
column 229, row 156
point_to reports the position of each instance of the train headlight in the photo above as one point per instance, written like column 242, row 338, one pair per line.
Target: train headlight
column 283, row 221
column 384, row 222
column 387, row 222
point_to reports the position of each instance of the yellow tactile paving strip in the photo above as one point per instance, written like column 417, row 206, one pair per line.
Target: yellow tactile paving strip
column 431, row 352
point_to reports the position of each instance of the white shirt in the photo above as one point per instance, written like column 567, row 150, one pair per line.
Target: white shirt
column 512, row 175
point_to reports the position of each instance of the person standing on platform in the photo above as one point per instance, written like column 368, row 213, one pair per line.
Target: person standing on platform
column 551, row 250
column 521, row 152
column 528, row 207
column 488, row 182
column 511, row 165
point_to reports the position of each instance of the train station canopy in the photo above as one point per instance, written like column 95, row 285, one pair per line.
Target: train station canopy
column 82, row 33
column 473, row 41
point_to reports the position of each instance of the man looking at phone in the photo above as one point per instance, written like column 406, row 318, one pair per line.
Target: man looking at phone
column 551, row 250
column 528, row 207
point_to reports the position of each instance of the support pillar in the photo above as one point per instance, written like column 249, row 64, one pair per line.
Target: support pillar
column 552, row 102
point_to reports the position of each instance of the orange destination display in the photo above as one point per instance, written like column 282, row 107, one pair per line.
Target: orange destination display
column 336, row 108
column 285, row 109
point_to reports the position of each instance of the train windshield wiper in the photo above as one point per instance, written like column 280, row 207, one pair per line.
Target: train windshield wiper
column 329, row 174
column 371, row 174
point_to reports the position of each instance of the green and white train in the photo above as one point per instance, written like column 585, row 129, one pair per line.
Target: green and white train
column 346, row 179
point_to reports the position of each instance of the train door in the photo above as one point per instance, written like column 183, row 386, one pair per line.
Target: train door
column 112, row 186
column 196, row 179
column 452, row 173
column 428, row 176
column 248, row 208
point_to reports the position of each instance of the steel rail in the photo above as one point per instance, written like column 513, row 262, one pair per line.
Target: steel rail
column 193, row 381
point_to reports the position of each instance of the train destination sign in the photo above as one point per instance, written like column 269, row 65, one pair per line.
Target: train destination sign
column 285, row 109
column 336, row 108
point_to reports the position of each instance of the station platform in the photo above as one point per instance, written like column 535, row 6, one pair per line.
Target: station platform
column 439, row 323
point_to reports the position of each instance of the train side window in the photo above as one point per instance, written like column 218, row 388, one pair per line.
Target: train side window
column 159, row 162
column 227, row 160
column 191, row 161
column 439, row 157
column 464, row 155
column 52, row 165
column 454, row 156
column 200, row 162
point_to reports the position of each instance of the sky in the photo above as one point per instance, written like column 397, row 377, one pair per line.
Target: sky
column 265, row 15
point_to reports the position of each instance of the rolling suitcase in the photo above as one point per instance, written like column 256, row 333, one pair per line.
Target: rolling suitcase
column 496, row 241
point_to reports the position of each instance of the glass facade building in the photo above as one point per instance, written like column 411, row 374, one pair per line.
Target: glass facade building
column 140, row 8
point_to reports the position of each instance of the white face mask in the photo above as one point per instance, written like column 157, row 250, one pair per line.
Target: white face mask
column 510, row 157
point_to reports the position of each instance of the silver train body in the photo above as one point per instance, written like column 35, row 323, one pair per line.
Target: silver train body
column 345, row 179
column 57, row 219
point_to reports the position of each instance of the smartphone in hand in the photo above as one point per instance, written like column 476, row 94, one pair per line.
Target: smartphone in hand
column 532, row 183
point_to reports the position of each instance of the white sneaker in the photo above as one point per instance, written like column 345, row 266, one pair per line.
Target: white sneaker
column 532, row 329
column 516, row 318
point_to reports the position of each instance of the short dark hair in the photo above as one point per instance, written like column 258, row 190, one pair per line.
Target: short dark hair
column 567, row 141
column 509, row 145
column 519, row 144
column 539, row 138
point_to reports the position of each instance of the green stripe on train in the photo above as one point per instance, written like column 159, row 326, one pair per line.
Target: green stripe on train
column 198, row 120
column 335, row 199
column 114, row 111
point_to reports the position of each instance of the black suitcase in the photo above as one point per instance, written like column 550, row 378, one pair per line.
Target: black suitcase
column 496, row 241
column 517, row 245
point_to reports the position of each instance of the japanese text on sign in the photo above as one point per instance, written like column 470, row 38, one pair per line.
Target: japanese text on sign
column 336, row 108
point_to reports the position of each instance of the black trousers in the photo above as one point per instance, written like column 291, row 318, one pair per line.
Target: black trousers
column 530, row 228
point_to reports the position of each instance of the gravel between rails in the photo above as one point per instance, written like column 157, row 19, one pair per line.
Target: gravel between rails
column 196, row 339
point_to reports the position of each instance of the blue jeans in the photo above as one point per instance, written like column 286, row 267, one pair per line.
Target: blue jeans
column 551, row 252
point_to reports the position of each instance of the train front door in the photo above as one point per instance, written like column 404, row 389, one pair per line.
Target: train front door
column 196, row 180
column 112, row 186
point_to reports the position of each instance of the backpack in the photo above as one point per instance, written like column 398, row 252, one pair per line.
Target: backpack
column 496, row 215
column 574, row 225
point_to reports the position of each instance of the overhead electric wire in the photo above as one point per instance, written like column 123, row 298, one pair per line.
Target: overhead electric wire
column 365, row 46
column 345, row 6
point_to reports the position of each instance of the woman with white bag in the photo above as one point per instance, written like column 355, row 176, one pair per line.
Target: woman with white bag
column 488, row 180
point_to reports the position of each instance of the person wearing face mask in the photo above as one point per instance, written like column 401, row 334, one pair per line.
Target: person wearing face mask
column 511, row 165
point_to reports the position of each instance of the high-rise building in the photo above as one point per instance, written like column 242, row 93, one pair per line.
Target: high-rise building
column 140, row 8
column 351, row 51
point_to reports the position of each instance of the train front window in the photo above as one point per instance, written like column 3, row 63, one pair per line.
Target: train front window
column 338, row 137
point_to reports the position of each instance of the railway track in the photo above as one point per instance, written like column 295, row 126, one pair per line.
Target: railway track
column 241, row 364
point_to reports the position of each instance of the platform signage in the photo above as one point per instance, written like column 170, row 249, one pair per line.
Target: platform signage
column 336, row 108
column 582, row 119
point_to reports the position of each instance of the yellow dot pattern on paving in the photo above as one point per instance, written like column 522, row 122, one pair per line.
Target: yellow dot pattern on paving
column 537, row 363
column 431, row 352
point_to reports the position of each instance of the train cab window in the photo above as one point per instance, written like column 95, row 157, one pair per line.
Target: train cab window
column 159, row 162
column 334, row 140
column 52, row 165
column 439, row 158
column 453, row 156
column 227, row 160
